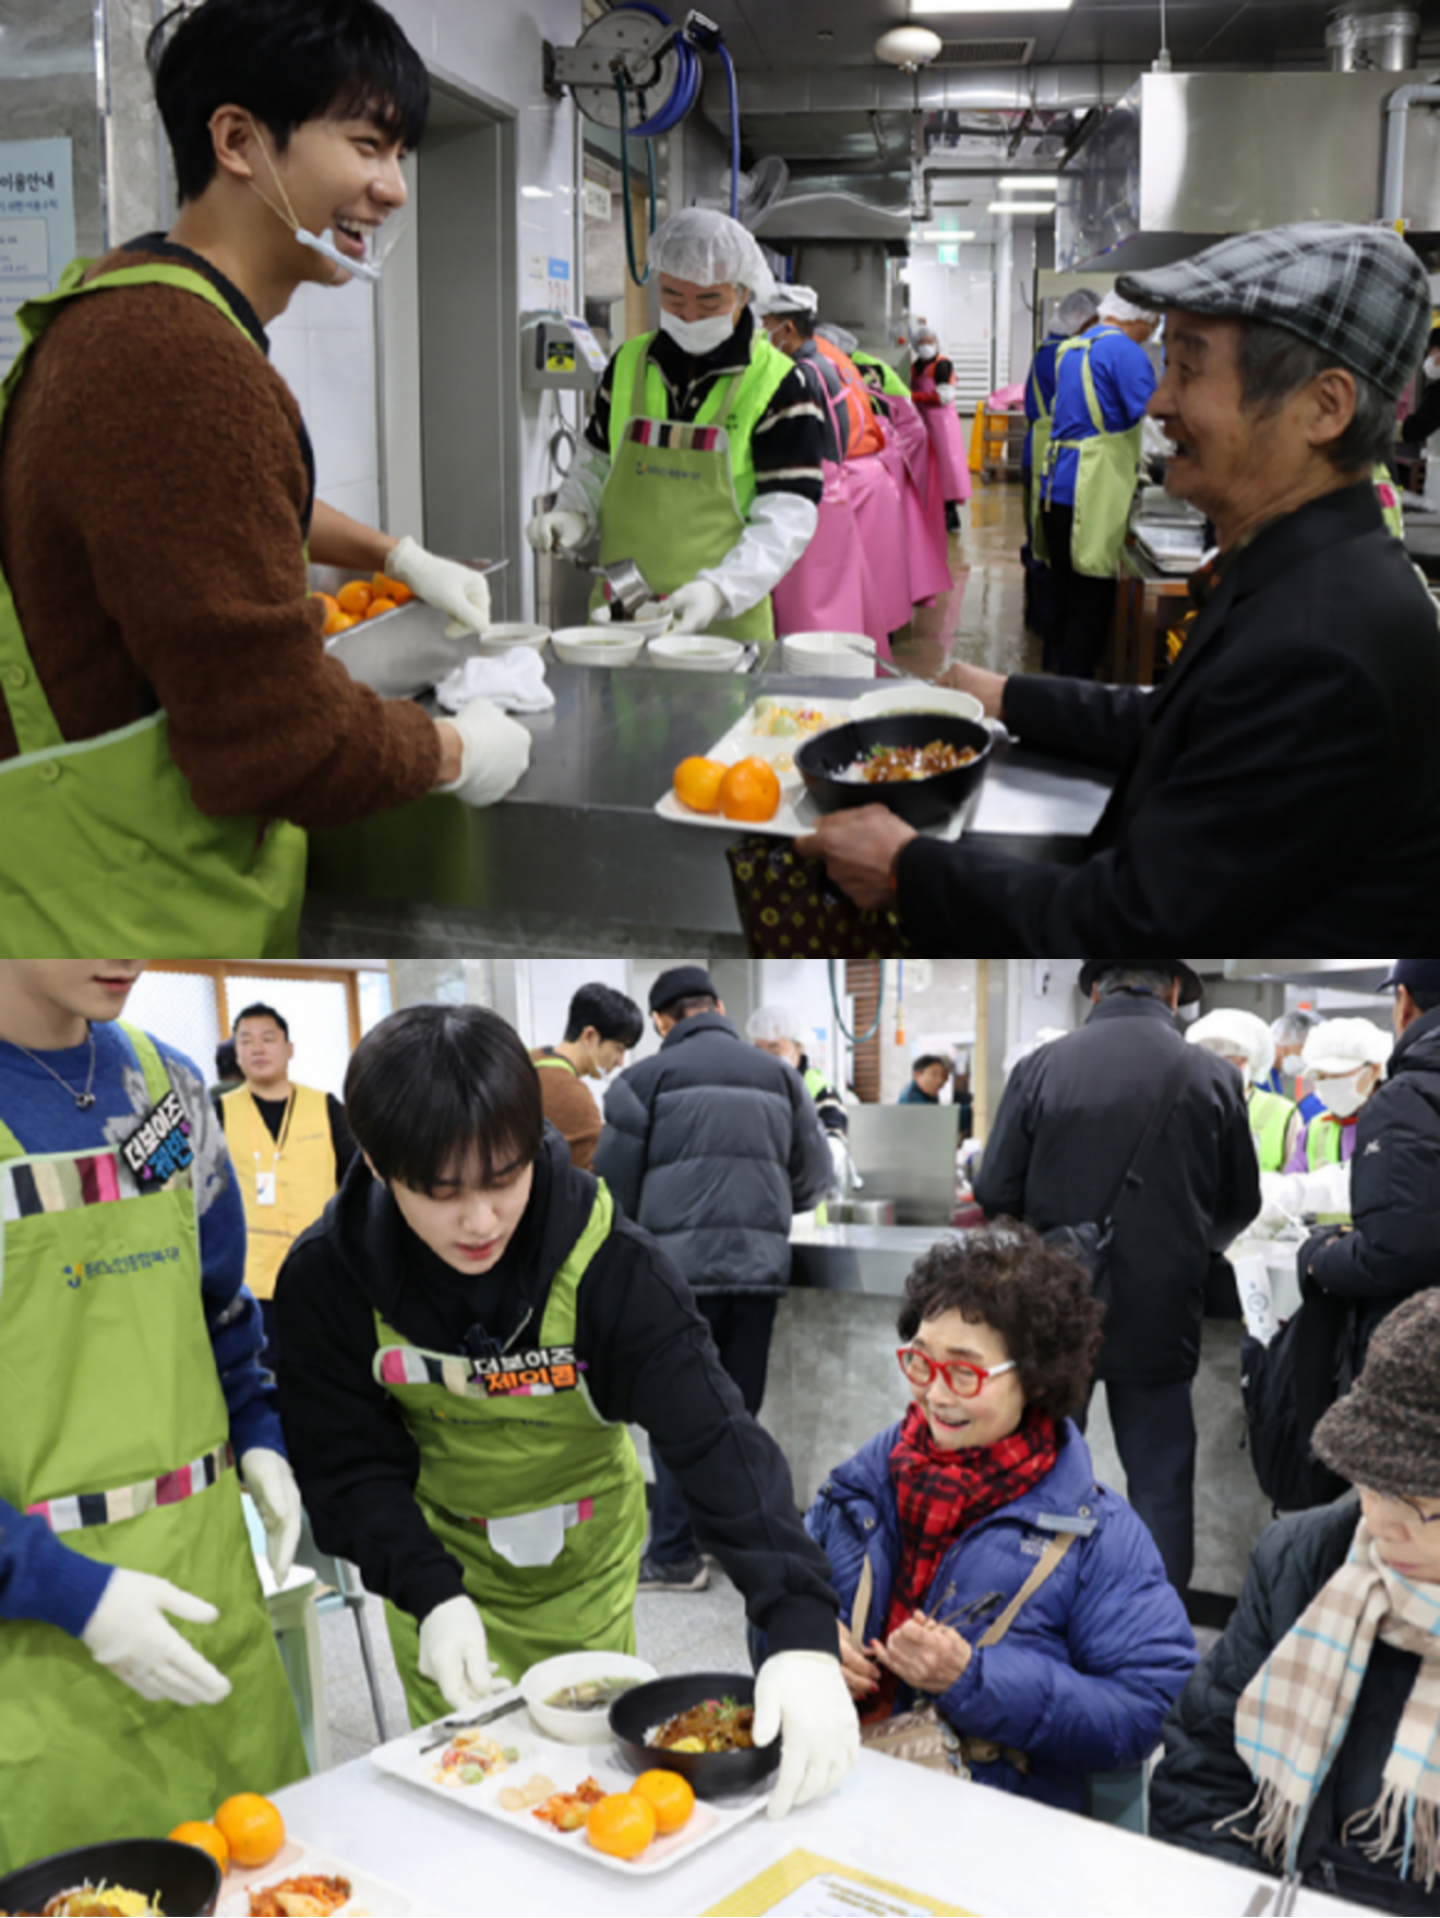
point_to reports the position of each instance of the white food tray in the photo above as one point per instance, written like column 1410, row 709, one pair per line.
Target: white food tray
column 370, row 1896
column 567, row 1765
column 797, row 811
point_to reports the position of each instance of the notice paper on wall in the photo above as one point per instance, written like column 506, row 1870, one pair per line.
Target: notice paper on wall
column 804, row 1885
column 37, row 228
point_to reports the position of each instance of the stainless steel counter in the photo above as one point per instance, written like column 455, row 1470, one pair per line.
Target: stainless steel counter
column 859, row 1258
column 579, row 834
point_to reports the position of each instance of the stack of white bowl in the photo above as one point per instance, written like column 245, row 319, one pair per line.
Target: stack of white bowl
column 830, row 655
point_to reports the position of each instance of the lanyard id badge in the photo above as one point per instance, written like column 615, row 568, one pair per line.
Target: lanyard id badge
column 264, row 1188
column 159, row 1147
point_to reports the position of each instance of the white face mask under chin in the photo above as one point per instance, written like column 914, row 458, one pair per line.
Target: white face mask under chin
column 1343, row 1096
column 698, row 337
column 1432, row 367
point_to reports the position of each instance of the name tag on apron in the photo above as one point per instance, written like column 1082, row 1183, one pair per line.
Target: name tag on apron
column 159, row 1147
column 265, row 1188
column 529, row 1538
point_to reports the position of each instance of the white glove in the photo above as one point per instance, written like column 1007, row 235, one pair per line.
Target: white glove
column 496, row 751
column 1286, row 1196
column 457, row 590
column 694, row 608
column 802, row 1697
column 947, row 393
column 558, row 531
column 454, row 1654
column 129, row 1633
column 271, row 1484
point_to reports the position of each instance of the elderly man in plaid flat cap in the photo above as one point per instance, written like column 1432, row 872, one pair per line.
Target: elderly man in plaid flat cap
column 1283, row 782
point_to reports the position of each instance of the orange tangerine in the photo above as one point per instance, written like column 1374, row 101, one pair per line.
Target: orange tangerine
column 354, row 596
column 750, row 790
column 341, row 623
column 387, row 588
column 621, row 1824
column 194, row 1831
column 697, row 783
column 670, row 1796
column 378, row 606
column 252, row 1827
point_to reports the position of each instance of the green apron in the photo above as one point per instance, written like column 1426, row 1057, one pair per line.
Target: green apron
column 890, row 380
column 114, row 1428
column 104, row 848
column 1105, row 481
column 1270, row 1115
column 539, row 1498
column 677, row 495
column 1322, row 1148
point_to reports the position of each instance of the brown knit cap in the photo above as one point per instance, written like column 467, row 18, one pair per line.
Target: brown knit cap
column 1385, row 1432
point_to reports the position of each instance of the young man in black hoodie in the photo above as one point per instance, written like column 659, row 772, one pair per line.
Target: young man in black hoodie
column 464, row 1337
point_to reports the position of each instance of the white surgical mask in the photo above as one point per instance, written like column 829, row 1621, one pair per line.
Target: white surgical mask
column 698, row 337
column 1432, row 366
column 1290, row 1064
column 1343, row 1096
column 927, row 351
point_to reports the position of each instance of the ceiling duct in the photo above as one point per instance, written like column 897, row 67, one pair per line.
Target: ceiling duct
column 1368, row 39
column 985, row 53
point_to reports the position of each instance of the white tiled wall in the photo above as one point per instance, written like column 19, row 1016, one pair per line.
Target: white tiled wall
column 324, row 347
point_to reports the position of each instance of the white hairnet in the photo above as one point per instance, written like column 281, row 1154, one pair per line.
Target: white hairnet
column 710, row 248
column 1339, row 1045
column 777, row 1022
column 837, row 336
column 1293, row 1028
column 790, row 299
column 924, row 333
column 1237, row 1035
column 1112, row 307
column 1077, row 309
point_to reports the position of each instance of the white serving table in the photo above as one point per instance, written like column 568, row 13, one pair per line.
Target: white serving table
column 978, row 1849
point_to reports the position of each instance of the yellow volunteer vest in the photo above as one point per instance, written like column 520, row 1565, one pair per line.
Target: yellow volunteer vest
column 301, row 1168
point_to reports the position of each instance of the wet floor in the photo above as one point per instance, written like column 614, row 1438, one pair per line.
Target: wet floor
column 981, row 620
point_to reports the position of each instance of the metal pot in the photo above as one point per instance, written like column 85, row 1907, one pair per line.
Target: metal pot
column 862, row 1212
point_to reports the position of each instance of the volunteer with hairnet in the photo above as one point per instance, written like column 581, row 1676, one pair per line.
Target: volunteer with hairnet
column 1076, row 312
column 1290, row 1031
column 1345, row 1060
column 139, row 1680
column 1103, row 383
column 932, row 389
column 717, row 497
column 1245, row 1041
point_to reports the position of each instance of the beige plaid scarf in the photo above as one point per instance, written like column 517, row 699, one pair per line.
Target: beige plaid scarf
column 1293, row 1716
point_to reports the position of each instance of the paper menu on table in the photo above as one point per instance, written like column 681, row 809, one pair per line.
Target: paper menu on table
column 804, row 1885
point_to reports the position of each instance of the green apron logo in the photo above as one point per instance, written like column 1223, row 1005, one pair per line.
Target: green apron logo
column 107, row 1268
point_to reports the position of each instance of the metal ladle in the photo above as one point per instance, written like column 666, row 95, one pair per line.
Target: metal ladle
column 629, row 589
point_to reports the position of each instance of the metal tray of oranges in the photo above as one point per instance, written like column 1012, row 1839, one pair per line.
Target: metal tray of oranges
column 769, row 731
column 399, row 650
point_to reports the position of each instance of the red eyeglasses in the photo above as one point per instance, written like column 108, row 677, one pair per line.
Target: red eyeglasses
column 961, row 1378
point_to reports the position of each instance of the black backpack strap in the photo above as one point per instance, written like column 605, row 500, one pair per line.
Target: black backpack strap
column 1134, row 1174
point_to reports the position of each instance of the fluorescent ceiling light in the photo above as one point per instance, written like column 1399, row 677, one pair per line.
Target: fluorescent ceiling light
column 536, row 193
column 1023, row 182
column 1021, row 206
column 934, row 235
column 989, row 6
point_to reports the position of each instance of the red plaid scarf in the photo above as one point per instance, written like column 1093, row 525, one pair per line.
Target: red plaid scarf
column 940, row 1495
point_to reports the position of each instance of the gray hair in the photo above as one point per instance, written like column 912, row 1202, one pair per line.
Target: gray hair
column 1290, row 1028
column 1274, row 363
column 1133, row 979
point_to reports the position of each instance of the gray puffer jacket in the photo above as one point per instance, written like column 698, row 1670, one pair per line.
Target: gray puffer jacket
column 712, row 1145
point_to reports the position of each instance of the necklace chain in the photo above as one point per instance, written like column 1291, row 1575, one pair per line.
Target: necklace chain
column 84, row 1100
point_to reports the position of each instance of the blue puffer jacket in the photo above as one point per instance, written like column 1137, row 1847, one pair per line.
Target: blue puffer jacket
column 1093, row 1661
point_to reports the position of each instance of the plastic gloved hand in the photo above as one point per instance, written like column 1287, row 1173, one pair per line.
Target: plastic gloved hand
column 453, row 1652
column 457, row 590
column 130, row 1634
column 802, row 1698
column 495, row 753
column 271, row 1483
column 694, row 608
column 558, row 531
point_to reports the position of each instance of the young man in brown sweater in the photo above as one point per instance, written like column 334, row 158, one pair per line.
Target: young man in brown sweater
column 157, row 492
column 601, row 1027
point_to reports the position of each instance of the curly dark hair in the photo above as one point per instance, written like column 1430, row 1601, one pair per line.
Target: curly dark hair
column 1037, row 1297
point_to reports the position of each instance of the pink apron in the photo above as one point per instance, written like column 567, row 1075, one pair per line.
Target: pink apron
column 942, row 423
column 908, row 455
column 880, row 517
column 824, row 591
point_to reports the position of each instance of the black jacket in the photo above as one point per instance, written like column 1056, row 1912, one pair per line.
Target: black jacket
column 1202, row 1779
column 713, row 1146
column 1394, row 1249
column 649, row 1357
column 1070, row 1119
column 1279, row 792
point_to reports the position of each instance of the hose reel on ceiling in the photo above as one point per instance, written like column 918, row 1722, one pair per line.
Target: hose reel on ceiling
column 637, row 73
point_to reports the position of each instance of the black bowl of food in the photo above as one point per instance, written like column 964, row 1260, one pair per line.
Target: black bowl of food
column 175, row 1879
column 704, row 1720
column 923, row 766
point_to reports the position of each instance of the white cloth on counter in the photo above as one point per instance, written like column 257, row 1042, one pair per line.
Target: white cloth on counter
column 514, row 681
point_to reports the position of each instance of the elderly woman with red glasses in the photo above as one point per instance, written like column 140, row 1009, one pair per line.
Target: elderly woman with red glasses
column 981, row 1567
